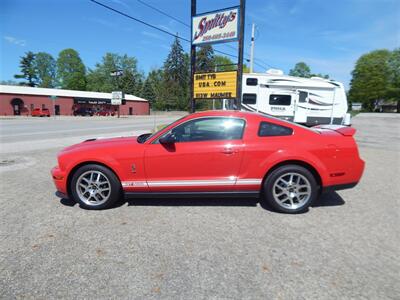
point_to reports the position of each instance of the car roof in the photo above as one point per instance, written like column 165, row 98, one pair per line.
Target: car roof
column 225, row 113
column 246, row 114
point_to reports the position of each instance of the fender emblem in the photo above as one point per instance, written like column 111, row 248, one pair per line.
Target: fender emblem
column 133, row 168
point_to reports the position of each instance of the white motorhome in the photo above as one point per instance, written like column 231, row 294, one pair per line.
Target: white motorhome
column 309, row 101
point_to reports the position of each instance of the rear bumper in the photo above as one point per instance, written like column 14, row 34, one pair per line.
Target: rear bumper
column 346, row 175
column 338, row 187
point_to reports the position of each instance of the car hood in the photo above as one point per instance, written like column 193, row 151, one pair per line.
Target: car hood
column 102, row 143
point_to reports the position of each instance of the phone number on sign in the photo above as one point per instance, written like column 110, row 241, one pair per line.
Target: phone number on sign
column 219, row 36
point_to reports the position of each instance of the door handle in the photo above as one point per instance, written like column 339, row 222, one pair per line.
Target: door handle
column 228, row 150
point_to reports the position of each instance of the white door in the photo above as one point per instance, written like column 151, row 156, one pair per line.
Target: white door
column 300, row 107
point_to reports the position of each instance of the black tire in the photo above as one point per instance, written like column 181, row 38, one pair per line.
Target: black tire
column 275, row 189
column 111, row 196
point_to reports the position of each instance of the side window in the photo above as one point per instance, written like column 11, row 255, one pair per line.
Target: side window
column 270, row 129
column 280, row 100
column 251, row 81
column 209, row 129
column 302, row 97
column 249, row 99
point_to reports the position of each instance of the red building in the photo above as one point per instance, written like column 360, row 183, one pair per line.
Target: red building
column 22, row 100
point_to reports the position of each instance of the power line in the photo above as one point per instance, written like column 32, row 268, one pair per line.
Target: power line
column 152, row 26
column 163, row 13
column 263, row 62
column 138, row 20
column 187, row 25
column 158, row 28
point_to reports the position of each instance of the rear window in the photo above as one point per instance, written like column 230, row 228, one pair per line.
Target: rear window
column 270, row 129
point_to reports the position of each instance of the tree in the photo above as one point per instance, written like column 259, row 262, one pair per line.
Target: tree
column 223, row 63
column 205, row 59
column 28, row 69
column 132, row 82
column 176, row 77
column 100, row 78
column 326, row 76
column 394, row 77
column 148, row 92
column 71, row 72
column 153, row 89
column 371, row 78
column 301, row 69
column 8, row 82
column 45, row 66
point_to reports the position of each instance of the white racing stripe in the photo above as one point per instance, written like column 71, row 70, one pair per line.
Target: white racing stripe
column 179, row 183
column 248, row 181
column 134, row 184
column 190, row 183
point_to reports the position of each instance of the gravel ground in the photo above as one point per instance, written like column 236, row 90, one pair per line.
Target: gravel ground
column 346, row 246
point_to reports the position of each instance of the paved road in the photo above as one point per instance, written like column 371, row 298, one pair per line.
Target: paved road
column 28, row 134
column 379, row 131
column 15, row 130
column 347, row 246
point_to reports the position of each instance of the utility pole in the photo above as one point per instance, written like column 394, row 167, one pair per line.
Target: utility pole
column 192, row 63
column 252, row 48
column 238, row 101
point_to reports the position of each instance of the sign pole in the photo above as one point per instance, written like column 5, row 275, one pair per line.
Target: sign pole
column 240, row 59
column 53, row 102
column 117, row 74
column 192, row 62
column 118, row 89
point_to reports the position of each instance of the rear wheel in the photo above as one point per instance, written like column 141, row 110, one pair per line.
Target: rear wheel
column 95, row 187
column 290, row 189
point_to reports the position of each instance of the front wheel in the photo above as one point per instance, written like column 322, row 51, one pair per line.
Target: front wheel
column 290, row 189
column 95, row 187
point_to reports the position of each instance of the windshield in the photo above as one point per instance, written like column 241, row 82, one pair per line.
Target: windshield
column 145, row 137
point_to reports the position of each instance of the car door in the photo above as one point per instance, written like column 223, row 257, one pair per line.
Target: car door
column 206, row 156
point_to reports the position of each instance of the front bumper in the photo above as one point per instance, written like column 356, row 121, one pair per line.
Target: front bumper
column 60, row 180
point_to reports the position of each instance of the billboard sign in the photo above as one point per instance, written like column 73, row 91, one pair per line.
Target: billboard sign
column 215, row 85
column 216, row 27
column 79, row 100
column 116, row 98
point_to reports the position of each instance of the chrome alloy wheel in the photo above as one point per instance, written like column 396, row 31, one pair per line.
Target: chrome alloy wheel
column 291, row 190
column 93, row 188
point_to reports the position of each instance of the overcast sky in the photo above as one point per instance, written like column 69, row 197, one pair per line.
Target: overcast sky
column 327, row 35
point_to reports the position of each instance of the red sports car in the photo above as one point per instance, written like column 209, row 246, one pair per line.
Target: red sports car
column 215, row 153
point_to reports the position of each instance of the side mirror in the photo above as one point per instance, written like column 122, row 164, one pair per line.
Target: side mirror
column 143, row 137
column 168, row 139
